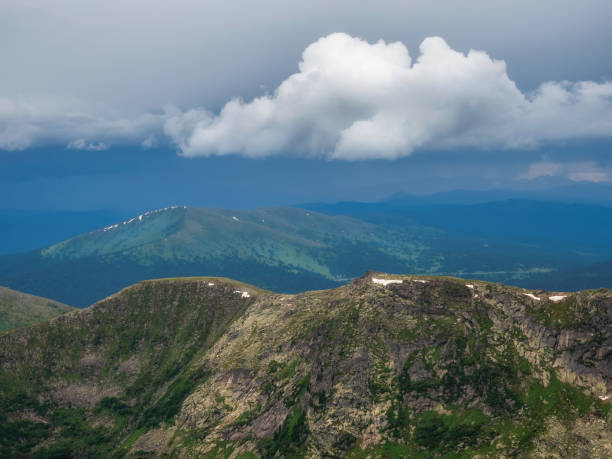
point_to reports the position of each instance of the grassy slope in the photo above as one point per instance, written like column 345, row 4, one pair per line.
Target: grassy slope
column 20, row 309
column 416, row 369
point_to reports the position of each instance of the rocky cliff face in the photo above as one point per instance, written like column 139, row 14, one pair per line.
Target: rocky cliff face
column 386, row 366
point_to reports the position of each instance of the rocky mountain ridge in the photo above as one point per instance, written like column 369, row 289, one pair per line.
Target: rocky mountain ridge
column 386, row 366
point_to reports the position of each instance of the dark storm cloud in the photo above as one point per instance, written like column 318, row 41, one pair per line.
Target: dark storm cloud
column 92, row 74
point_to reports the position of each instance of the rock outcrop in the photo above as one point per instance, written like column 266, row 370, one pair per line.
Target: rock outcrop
column 386, row 366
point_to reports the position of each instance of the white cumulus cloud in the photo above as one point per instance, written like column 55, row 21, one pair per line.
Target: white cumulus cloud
column 355, row 100
column 349, row 100
column 35, row 120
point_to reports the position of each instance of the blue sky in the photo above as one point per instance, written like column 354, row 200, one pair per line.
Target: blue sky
column 233, row 104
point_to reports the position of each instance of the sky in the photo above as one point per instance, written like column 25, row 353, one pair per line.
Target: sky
column 143, row 104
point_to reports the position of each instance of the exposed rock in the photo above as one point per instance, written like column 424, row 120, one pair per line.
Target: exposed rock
column 379, row 369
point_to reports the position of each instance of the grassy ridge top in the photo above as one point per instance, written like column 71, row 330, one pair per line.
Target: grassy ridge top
column 20, row 309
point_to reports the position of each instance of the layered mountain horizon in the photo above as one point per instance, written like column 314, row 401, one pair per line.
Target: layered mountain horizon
column 294, row 249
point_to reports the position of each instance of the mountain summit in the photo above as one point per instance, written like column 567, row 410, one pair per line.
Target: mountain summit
column 386, row 366
column 281, row 248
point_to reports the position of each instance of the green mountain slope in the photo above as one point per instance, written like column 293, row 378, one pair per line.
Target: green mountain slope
column 20, row 309
column 282, row 249
column 387, row 366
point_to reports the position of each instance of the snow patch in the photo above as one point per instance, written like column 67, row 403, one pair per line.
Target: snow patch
column 603, row 397
column 422, row 281
column 532, row 296
column 211, row 284
column 556, row 298
column 470, row 286
column 386, row 281
column 140, row 217
column 243, row 294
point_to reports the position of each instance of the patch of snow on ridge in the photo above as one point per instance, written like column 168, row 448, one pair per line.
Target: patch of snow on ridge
column 141, row 216
column 210, row 284
column 386, row 281
column 532, row 296
column 556, row 298
column 470, row 286
column 243, row 294
column 422, row 281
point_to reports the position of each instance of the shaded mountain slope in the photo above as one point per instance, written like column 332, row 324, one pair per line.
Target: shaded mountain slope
column 20, row 309
column 419, row 367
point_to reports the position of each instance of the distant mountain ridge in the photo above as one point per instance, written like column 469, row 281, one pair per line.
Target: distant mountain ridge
column 580, row 225
column 24, row 230
column 577, row 193
column 20, row 309
column 283, row 248
column 292, row 249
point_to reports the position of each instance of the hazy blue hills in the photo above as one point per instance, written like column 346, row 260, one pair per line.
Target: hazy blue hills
column 23, row 230
column 567, row 226
column 287, row 249
column 541, row 190
column 588, row 277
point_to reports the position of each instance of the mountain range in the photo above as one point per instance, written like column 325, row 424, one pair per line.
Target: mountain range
column 386, row 366
column 287, row 249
